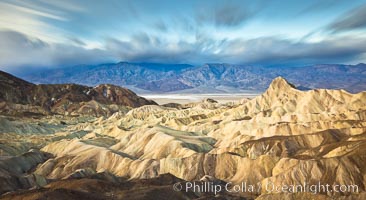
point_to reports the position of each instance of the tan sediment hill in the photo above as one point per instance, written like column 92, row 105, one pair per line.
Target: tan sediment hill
column 284, row 136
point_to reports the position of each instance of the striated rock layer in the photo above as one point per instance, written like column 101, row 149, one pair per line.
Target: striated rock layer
column 283, row 137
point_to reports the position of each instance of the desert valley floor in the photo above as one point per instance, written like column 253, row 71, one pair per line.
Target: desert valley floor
column 162, row 99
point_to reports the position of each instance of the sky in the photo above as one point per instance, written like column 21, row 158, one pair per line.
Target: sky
column 63, row 33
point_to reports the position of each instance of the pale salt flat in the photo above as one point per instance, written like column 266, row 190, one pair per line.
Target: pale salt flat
column 188, row 98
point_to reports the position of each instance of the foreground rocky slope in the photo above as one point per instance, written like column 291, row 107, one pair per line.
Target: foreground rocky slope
column 18, row 97
column 283, row 137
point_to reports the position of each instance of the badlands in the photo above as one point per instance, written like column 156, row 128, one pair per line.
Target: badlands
column 283, row 137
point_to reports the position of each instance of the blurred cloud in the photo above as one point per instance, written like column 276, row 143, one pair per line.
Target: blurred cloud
column 278, row 50
column 319, row 6
column 31, row 19
column 160, row 25
column 227, row 15
column 59, row 33
column 20, row 50
column 77, row 41
column 354, row 19
column 143, row 47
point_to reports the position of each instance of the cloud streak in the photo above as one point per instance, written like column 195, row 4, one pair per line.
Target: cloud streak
column 40, row 33
column 147, row 48
column 228, row 15
column 23, row 51
column 354, row 19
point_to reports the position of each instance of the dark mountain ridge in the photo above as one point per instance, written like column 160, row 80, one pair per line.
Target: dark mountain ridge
column 17, row 95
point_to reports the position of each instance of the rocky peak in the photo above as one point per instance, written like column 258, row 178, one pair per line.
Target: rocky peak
column 280, row 84
column 13, row 89
column 9, row 79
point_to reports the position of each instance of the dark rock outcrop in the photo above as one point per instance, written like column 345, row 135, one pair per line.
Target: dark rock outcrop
column 19, row 96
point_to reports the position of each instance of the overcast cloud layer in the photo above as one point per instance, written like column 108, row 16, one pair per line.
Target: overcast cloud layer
column 43, row 33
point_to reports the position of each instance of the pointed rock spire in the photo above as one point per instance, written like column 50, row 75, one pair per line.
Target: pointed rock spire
column 280, row 83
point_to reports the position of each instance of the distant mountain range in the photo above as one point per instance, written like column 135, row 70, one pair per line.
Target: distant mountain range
column 208, row 78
